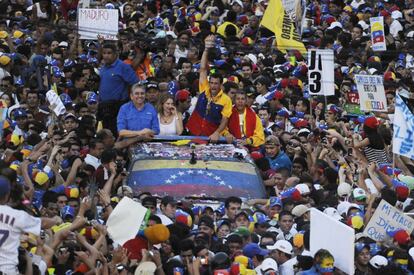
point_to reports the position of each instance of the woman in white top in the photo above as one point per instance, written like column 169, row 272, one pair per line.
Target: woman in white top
column 171, row 121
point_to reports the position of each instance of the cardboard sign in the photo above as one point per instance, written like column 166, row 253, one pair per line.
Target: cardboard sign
column 385, row 219
column 321, row 72
column 94, row 22
column 378, row 34
column 125, row 220
column 371, row 93
column 334, row 236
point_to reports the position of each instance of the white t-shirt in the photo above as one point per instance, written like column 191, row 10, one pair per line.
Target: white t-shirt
column 287, row 267
column 395, row 27
column 12, row 224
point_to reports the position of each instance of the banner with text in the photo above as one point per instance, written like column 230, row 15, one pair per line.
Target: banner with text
column 403, row 139
column 378, row 34
column 387, row 219
column 321, row 72
column 94, row 22
column 371, row 93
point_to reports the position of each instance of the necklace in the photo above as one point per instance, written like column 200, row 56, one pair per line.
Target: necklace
column 165, row 120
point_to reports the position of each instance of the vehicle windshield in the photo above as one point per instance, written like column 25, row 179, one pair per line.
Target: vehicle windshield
column 204, row 179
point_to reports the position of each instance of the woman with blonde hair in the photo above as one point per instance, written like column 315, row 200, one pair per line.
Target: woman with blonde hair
column 171, row 121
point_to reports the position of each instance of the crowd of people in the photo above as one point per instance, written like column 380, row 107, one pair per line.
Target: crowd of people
column 197, row 68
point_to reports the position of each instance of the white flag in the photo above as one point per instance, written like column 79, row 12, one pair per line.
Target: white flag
column 403, row 140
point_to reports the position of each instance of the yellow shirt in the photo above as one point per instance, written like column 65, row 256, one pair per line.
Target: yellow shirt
column 221, row 98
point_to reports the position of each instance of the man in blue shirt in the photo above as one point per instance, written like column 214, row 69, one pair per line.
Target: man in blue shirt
column 137, row 118
column 277, row 158
column 116, row 78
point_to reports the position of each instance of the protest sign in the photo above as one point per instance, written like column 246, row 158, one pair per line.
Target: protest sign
column 338, row 238
column 55, row 103
column 371, row 93
column 125, row 220
column 94, row 22
column 403, row 139
column 386, row 219
column 321, row 72
column 378, row 34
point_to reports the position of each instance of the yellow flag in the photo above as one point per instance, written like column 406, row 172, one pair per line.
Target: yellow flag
column 277, row 20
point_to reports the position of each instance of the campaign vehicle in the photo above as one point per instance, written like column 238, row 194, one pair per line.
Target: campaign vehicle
column 189, row 168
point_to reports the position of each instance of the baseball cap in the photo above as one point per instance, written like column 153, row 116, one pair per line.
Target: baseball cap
column 182, row 95
column 63, row 44
column 168, row 200
column 3, row 34
column 92, row 98
column 299, row 210
column 253, row 249
column 378, row 261
column 268, row 264
column 242, row 231
column 20, row 113
column 332, row 212
column 273, row 201
column 371, row 122
column 402, row 192
column 283, row 246
column 344, row 189
column 238, row 2
column 4, row 186
column 335, row 24
column 150, row 201
column 400, row 236
column 67, row 211
column 122, row 189
column 359, row 194
column 70, row 116
column 207, row 221
column 303, row 188
column 152, row 85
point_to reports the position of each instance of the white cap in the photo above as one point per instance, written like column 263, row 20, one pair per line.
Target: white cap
column 268, row 264
column 378, row 261
column 304, row 130
column 344, row 189
column 252, row 58
column 299, row 210
column 332, row 212
column 238, row 2
column 345, row 206
column 122, row 189
column 303, row 188
column 145, row 268
column 359, row 193
column 283, row 246
column 396, row 14
column 63, row 44
column 410, row 34
column 334, row 25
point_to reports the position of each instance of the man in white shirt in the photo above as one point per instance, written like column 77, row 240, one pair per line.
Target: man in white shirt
column 96, row 147
column 394, row 25
column 282, row 252
column 12, row 224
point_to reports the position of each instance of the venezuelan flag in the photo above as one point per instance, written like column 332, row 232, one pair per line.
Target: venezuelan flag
column 179, row 178
column 205, row 118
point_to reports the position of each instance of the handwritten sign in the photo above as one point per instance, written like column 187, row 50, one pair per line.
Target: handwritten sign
column 94, row 22
column 371, row 93
column 386, row 219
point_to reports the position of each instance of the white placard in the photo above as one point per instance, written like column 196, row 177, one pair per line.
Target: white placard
column 94, row 22
column 55, row 103
column 321, row 72
column 334, row 236
column 125, row 220
column 403, row 139
column 371, row 93
column 386, row 219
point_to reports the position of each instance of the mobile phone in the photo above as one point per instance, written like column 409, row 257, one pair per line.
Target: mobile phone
column 204, row 260
column 98, row 264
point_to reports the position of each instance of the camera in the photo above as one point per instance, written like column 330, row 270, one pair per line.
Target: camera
column 119, row 166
